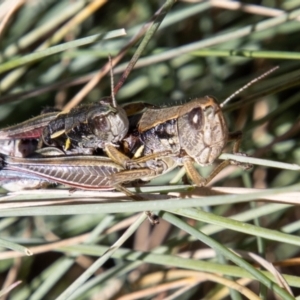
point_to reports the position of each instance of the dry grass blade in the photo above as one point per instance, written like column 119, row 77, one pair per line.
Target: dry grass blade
column 7, row 11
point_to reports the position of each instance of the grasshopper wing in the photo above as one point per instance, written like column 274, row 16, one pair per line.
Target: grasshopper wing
column 84, row 172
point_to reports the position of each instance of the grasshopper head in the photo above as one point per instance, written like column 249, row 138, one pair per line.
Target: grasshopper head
column 203, row 132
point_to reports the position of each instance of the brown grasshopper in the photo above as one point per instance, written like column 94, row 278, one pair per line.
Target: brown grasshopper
column 179, row 136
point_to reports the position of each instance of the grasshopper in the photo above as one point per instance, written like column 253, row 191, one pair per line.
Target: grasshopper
column 169, row 137
column 180, row 136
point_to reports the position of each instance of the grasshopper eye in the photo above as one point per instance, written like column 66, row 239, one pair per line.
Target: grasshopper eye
column 195, row 118
column 100, row 124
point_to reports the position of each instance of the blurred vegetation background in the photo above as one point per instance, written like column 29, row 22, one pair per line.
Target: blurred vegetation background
column 201, row 48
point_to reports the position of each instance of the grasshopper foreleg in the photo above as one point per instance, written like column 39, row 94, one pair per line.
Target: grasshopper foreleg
column 198, row 180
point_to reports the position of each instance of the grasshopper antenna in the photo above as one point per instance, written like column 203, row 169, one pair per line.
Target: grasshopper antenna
column 247, row 85
column 112, row 84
